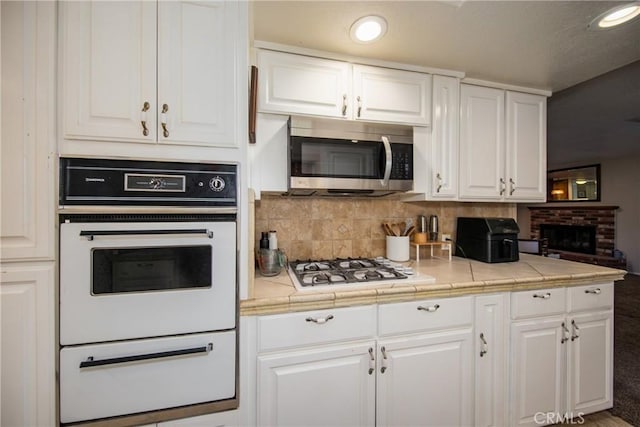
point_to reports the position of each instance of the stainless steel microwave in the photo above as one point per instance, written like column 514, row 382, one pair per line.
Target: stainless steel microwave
column 336, row 157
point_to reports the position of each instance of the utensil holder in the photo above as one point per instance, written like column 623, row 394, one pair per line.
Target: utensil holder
column 398, row 248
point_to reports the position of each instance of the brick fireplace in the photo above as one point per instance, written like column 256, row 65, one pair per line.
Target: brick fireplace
column 600, row 218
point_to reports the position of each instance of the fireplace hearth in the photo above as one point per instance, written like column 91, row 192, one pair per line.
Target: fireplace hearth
column 588, row 236
column 571, row 238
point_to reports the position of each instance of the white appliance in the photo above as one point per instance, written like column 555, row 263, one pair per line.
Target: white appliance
column 145, row 279
column 148, row 290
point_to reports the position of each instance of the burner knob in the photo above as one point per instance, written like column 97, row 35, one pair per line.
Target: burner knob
column 217, row 184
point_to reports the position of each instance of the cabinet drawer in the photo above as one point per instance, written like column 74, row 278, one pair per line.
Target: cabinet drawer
column 539, row 302
column 417, row 316
column 316, row 327
column 598, row 296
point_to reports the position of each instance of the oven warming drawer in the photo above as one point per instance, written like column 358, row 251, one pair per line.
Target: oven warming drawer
column 106, row 380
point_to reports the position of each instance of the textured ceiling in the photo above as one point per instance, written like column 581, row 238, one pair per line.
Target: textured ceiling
column 539, row 44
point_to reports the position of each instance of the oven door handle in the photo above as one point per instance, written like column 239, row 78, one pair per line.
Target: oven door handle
column 92, row 233
column 90, row 362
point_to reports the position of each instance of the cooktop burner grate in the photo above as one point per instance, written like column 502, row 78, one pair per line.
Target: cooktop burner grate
column 344, row 271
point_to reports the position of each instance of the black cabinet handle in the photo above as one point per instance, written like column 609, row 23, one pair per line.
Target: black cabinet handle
column 90, row 362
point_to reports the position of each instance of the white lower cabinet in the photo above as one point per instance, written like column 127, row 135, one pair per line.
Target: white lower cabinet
column 521, row 358
column 537, row 368
column 316, row 368
column 561, row 363
column 425, row 363
column 27, row 359
column 491, row 320
column 327, row 386
column 397, row 364
column 590, row 361
column 426, row 380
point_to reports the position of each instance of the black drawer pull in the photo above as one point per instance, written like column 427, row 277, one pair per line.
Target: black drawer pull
column 90, row 362
column 92, row 233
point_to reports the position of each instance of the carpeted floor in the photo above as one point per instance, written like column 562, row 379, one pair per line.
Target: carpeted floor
column 626, row 359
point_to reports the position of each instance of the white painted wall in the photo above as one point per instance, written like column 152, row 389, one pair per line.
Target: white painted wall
column 620, row 186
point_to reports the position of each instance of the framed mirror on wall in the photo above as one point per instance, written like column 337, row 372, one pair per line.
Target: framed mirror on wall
column 579, row 184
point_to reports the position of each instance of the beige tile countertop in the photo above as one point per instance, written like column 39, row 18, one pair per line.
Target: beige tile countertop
column 456, row 277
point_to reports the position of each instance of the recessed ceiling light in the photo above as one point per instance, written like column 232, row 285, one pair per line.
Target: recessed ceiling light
column 616, row 16
column 368, row 29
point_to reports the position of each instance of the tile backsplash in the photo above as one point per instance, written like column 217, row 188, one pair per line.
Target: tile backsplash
column 336, row 227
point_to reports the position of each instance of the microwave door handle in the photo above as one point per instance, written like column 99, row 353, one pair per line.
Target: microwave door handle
column 387, row 165
column 92, row 233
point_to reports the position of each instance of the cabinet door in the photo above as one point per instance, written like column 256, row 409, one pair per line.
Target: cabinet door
column 537, row 369
column 490, row 363
column 28, row 349
column 381, row 94
column 198, row 73
column 444, row 138
column 526, row 155
column 108, row 70
column 481, row 143
column 321, row 386
column 590, row 363
column 28, row 130
column 295, row 84
column 426, row 380
column 269, row 155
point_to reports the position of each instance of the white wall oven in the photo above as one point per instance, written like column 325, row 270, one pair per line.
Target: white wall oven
column 148, row 292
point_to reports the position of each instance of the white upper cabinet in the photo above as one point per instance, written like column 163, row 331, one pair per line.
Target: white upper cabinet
column 27, row 229
column 303, row 85
column 197, row 72
column 435, row 149
column 150, row 72
column 108, row 70
column 481, row 142
column 502, row 154
column 381, row 94
column 526, row 167
column 296, row 84
column 443, row 179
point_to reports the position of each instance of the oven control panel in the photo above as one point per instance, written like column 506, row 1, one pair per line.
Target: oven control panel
column 147, row 183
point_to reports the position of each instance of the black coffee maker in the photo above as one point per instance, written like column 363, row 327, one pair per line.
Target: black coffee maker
column 487, row 239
